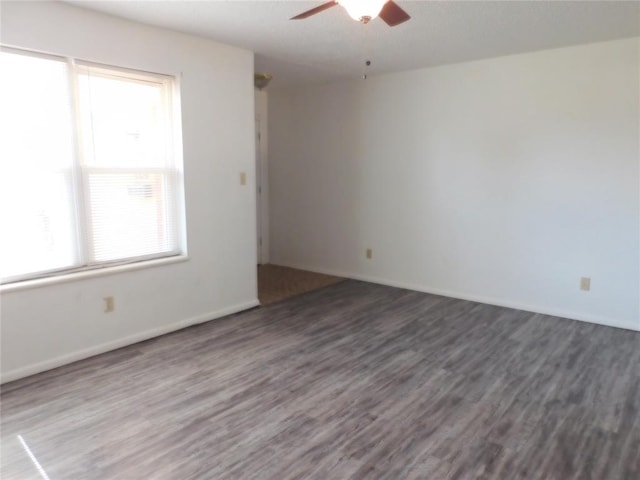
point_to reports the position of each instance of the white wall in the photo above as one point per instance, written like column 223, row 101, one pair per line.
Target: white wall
column 47, row 326
column 503, row 180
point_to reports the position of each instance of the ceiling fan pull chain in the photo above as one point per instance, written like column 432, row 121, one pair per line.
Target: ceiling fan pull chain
column 366, row 48
column 365, row 69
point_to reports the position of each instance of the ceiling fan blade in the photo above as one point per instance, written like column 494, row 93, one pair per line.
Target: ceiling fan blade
column 392, row 14
column 313, row 11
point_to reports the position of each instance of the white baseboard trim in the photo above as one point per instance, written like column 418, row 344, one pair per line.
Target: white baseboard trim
column 122, row 342
column 609, row 322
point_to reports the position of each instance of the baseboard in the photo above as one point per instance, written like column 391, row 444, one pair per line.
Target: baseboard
column 609, row 322
column 122, row 342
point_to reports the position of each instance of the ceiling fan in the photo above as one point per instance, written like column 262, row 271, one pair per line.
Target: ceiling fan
column 364, row 11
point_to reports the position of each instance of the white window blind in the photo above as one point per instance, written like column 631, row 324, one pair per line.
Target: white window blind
column 89, row 175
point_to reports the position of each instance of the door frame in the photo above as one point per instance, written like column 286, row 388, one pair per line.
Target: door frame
column 262, row 177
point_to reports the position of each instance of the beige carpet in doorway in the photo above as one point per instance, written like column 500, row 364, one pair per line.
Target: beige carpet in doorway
column 276, row 283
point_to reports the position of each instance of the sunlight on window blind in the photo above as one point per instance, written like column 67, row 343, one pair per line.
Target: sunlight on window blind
column 129, row 179
column 89, row 175
column 131, row 214
column 36, row 158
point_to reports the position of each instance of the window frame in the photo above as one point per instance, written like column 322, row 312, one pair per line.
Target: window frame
column 172, row 171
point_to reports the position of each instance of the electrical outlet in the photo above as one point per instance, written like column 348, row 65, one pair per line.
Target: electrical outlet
column 585, row 284
column 109, row 304
column 369, row 253
column 243, row 178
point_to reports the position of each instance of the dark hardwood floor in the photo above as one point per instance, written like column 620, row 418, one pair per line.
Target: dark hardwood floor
column 353, row 381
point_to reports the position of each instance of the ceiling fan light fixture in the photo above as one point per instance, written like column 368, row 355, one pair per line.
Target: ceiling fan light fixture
column 363, row 10
column 261, row 80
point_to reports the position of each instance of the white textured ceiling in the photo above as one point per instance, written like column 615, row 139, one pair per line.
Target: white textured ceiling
column 332, row 46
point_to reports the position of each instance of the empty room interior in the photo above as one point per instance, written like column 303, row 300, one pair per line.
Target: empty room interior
column 453, row 186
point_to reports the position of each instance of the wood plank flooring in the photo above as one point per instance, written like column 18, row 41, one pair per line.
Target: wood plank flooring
column 354, row 381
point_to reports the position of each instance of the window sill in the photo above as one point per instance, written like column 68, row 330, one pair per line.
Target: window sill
column 98, row 272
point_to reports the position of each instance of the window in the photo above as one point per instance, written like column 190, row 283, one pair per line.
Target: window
column 90, row 174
